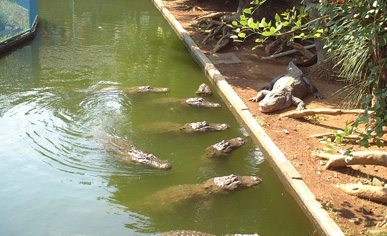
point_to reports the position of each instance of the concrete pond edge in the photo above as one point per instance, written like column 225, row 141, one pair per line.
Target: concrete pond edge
column 289, row 175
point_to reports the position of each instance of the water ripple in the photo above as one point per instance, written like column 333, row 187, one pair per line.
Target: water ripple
column 59, row 128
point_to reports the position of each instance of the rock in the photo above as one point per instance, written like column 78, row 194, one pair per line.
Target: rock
column 377, row 182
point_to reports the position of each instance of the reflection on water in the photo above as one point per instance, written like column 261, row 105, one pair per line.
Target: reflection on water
column 59, row 179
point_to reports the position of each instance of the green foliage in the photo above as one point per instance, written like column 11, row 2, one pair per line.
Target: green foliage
column 356, row 39
column 287, row 23
column 355, row 36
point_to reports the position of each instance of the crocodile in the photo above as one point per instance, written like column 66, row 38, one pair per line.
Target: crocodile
column 286, row 90
column 171, row 196
column 188, row 128
column 139, row 89
column 125, row 151
column 224, row 148
column 197, row 233
column 201, row 102
column 204, row 89
column 196, row 102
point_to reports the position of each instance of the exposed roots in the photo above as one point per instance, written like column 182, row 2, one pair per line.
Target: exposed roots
column 277, row 45
column 373, row 193
column 357, row 158
column 215, row 26
column 300, row 48
column 311, row 112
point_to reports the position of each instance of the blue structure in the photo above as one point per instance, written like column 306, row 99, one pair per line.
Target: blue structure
column 32, row 7
column 18, row 21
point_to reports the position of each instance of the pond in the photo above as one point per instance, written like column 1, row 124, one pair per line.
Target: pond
column 63, row 94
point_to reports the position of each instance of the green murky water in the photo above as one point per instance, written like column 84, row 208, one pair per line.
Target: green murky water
column 57, row 178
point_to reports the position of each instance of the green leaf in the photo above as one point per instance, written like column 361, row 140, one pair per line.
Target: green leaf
column 242, row 35
column 364, row 143
column 379, row 143
column 277, row 18
column 267, row 33
column 379, row 131
column 382, row 42
column 247, row 11
column 252, row 24
column 235, row 23
column 263, row 23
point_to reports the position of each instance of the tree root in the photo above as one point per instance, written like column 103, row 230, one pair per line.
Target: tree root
column 219, row 31
column 358, row 158
column 373, row 193
column 301, row 49
column 333, row 136
column 325, row 111
column 210, row 16
column 192, row 8
column 352, row 137
column 278, row 43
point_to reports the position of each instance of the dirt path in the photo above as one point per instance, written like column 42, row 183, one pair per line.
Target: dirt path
column 355, row 216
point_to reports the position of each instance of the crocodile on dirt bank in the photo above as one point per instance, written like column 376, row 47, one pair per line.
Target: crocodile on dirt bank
column 125, row 151
column 286, row 90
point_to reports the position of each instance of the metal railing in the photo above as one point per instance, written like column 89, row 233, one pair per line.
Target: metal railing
column 17, row 18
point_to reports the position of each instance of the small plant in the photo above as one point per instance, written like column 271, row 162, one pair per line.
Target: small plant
column 329, row 145
column 288, row 23
column 315, row 119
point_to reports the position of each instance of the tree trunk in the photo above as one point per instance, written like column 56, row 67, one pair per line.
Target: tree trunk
column 373, row 193
column 322, row 111
column 323, row 70
column 321, row 51
column 358, row 158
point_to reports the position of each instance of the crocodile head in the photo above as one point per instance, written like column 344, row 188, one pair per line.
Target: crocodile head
column 200, row 102
column 274, row 100
column 232, row 182
column 146, row 89
column 141, row 157
column 230, row 145
column 204, row 89
column 205, row 126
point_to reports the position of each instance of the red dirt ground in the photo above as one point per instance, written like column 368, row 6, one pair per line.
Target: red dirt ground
column 355, row 216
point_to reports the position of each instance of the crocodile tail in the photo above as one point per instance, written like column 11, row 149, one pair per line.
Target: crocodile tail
column 310, row 62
